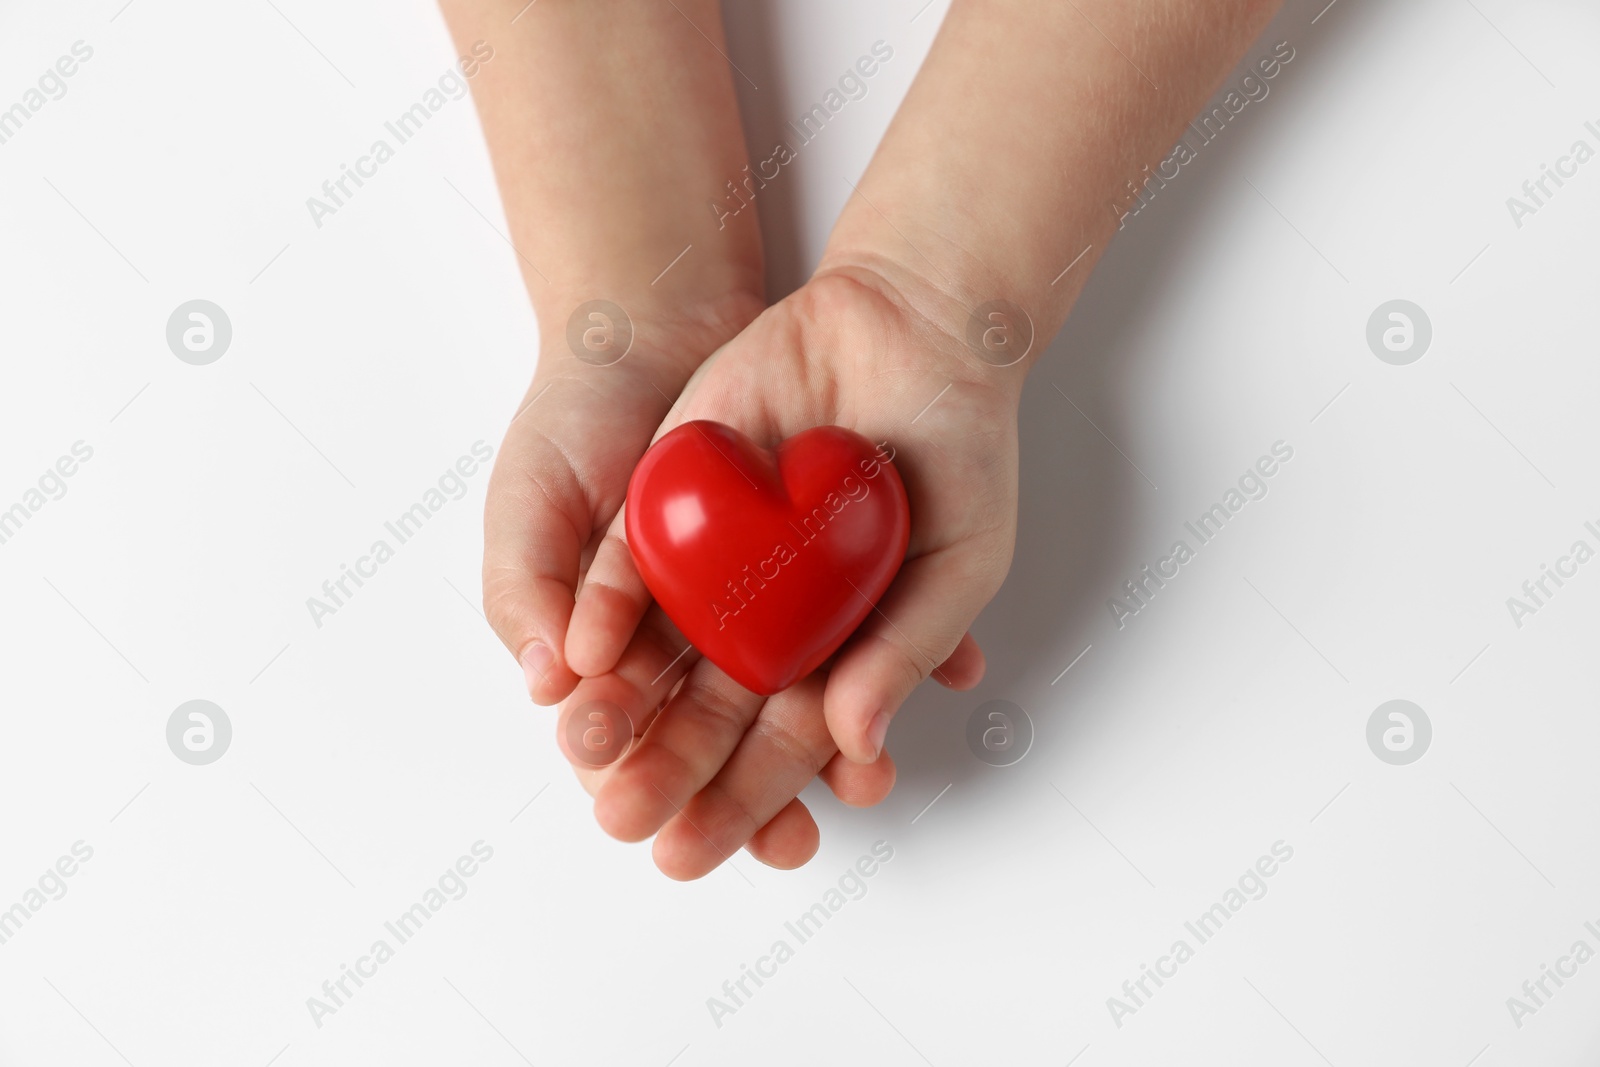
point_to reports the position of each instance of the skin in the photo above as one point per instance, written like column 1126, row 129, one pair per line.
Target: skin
column 999, row 170
column 606, row 229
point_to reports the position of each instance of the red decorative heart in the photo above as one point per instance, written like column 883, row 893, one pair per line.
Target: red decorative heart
column 767, row 560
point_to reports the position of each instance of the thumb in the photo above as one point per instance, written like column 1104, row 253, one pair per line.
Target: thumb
column 536, row 522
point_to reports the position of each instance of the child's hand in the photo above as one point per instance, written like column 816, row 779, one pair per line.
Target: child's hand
column 562, row 474
column 606, row 160
column 718, row 766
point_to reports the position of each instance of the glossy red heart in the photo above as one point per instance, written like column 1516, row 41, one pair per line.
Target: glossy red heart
column 767, row 559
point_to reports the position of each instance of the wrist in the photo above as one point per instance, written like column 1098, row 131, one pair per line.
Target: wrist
column 626, row 330
column 988, row 340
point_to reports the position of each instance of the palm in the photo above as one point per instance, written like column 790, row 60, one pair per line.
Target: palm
column 841, row 353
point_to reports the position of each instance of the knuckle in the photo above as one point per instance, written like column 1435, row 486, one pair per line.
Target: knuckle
column 799, row 750
column 615, row 544
column 734, row 830
column 660, row 656
column 611, row 572
column 654, row 772
column 719, row 709
column 501, row 608
column 911, row 666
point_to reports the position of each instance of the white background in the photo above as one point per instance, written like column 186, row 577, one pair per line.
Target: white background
column 370, row 753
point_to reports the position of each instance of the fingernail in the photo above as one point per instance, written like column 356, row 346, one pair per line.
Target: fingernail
column 536, row 660
column 876, row 732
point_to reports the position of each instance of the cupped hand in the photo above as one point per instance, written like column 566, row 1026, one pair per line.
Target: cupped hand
column 563, row 468
column 715, row 767
column 559, row 481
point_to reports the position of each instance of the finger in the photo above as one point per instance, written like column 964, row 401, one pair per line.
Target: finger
column 610, row 603
column 965, row 666
column 778, row 756
column 589, row 778
column 918, row 625
column 688, row 743
column 860, row 785
column 604, row 717
column 613, row 595
column 534, row 528
column 789, row 840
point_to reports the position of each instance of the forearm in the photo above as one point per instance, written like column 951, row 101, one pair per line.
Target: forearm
column 1019, row 137
column 612, row 124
